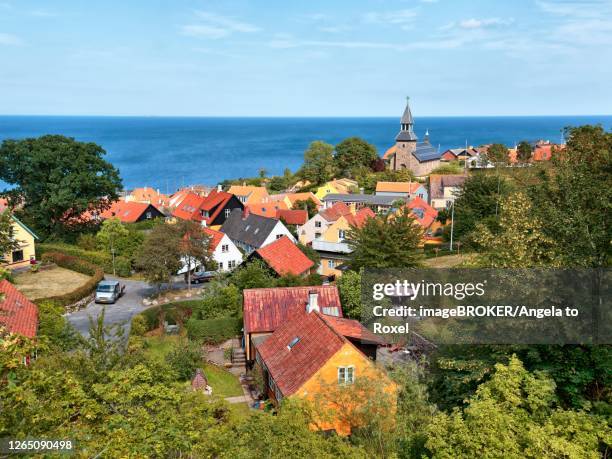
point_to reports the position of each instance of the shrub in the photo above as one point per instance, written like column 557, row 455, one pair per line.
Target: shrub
column 173, row 313
column 101, row 259
column 213, row 331
column 87, row 241
column 185, row 358
column 139, row 325
column 6, row 274
column 80, row 266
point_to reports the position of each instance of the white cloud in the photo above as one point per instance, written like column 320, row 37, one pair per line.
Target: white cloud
column 215, row 26
column 10, row 39
column 391, row 17
column 474, row 23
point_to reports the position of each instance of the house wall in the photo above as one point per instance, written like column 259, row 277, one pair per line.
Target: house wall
column 326, row 189
column 422, row 192
column 26, row 244
column 347, row 355
column 448, row 196
column 278, row 231
column 224, row 258
column 233, row 203
column 325, row 269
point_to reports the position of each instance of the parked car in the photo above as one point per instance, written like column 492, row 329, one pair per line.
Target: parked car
column 109, row 291
column 198, row 277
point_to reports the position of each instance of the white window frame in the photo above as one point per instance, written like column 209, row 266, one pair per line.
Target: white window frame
column 343, row 375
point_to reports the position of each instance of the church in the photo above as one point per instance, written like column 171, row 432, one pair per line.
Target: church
column 408, row 153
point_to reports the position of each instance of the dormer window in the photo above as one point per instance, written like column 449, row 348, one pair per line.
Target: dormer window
column 293, row 342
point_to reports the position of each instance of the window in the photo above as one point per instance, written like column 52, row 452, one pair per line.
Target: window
column 17, row 256
column 225, row 248
column 278, row 236
column 231, row 264
column 346, row 375
column 341, row 234
column 149, row 215
column 331, row 264
column 220, row 266
column 317, row 235
column 317, row 224
column 227, row 212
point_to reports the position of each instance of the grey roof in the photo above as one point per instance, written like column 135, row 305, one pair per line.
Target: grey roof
column 407, row 116
column 373, row 199
column 426, row 152
column 252, row 230
column 406, row 136
column 406, row 133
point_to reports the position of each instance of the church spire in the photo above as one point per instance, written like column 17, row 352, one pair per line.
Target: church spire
column 406, row 133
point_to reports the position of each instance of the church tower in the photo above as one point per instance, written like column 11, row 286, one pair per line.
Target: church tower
column 406, row 140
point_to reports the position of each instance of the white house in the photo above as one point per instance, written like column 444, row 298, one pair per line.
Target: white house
column 224, row 251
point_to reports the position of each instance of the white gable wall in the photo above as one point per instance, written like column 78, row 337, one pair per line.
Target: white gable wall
column 278, row 231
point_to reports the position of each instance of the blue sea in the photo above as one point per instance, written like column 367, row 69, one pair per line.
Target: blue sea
column 166, row 153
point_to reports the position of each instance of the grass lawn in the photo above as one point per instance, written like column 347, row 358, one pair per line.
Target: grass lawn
column 224, row 383
column 49, row 282
column 447, row 261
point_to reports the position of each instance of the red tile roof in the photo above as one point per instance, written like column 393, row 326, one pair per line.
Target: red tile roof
column 189, row 208
column 17, row 313
column 192, row 206
column 284, row 257
column 292, row 217
column 291, row 368
column 334, row 212
column 267, row 209
column 429, row 214
column 215, row 238
column 127, row 212
column 360, row 217
column 266, row 308
column 545, row 152
column 320, row 338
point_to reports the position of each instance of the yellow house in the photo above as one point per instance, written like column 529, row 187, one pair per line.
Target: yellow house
column 26, row 251
column 312, row 354
column 336, row 186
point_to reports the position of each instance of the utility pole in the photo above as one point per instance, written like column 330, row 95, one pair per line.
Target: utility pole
column 113, row 254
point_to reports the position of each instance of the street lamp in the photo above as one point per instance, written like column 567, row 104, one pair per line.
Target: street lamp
column 452, row 223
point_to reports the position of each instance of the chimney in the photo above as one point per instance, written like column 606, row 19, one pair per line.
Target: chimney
column 219, row 188
column 245, row 212
column 313, row 303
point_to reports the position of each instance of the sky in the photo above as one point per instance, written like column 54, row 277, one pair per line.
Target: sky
column 305, row 58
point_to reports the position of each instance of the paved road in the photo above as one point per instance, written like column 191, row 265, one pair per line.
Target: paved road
column 122, row 311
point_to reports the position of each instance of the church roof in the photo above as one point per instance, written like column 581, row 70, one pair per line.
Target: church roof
column 406, row 136
column 406, row 133
column 426, row 152
column 407, row 116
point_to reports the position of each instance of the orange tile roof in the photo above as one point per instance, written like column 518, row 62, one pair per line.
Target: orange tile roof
column 292, row 217
column 294, row 197
column 352, row 329
column 17, row 313
column 189, row 208
column 284, row 257
column 390, row 152
column 397, row 187
column 267, row 209
column 545, row 152
column 252, row 194
column 266, row 308
column 127, row 212
column 336, row 211
column 147, row 194
column 360, row 217
column 429, row 214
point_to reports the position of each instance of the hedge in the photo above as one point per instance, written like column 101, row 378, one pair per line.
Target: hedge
column 123, row 266
column 75, row 264
column 213, row 331
column 172, row 312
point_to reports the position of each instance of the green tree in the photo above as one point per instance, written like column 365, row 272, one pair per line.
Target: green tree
column 349, row 288
column 111, row 231
column 523, row 151
column 522, row 406
column 387, row 241
column 160, row 255
column 498, row 154
column 308, row 205
column 318, row 164
column 254, row 274
column 57, row 179
column 7, row 242
column 184, row 359
column 572, row 199
column 520, row 241
column 352, row 153
column 194, row 247
column 478, row 202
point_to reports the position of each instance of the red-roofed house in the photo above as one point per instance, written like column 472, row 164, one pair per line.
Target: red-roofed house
column 267, row 209
column 284, row 257
column 148, row 195
column 311, row 352
column 211, row 210
column 131, row 212
column 544, row 152
column 292, row 217
column 423, row 213
column 17, row 314
column 319, row 223
column 223, row 250
column 265, row 309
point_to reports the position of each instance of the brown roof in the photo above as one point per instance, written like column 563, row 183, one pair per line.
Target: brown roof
column 438, row 182
column 266, row 308
column 17, row 313
column 284, row 257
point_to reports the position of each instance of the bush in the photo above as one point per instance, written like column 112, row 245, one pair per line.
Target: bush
column 80, row 266
column 139, row 325
column 213, row 331
column 6, row 274
column 185, row 358
column 103, row 260
column 173, row 312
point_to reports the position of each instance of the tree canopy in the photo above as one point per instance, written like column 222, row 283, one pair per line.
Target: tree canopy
column 318, row 164
column 56, row 179
column 352, row 153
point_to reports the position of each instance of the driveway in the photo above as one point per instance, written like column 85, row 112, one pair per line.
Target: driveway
column 123, row 310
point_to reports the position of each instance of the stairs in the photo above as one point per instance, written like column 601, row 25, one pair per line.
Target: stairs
column 238, row 357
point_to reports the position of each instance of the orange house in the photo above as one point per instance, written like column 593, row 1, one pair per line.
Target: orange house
column 312, row 353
